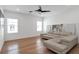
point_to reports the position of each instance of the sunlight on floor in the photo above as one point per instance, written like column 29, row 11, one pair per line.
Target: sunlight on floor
column 13, row 49
column 39, row 46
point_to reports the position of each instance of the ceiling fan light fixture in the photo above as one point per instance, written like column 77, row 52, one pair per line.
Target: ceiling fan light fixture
column 40, row 10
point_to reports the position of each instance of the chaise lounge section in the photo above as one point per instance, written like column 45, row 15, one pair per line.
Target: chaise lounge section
column 59, row 43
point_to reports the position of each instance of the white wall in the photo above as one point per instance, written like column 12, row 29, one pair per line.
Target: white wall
column 1, row 30
column 1, row 35
column 26, row 25
column 74, row 28
column 69, row 16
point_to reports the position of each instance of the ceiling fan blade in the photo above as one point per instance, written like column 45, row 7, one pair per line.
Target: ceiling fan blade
column 46, row 11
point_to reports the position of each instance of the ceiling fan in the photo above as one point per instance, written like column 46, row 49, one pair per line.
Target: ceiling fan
column 40, row 10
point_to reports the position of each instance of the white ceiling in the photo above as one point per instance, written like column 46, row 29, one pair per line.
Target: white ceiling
column 55, row 9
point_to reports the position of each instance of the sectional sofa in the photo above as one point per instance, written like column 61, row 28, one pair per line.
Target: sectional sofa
column 59, row 42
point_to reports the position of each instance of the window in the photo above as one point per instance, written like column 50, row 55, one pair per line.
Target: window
column 39, row 25
column 12, row 25
column 2, row 24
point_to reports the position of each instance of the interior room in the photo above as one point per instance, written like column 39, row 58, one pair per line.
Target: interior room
column 39, row 29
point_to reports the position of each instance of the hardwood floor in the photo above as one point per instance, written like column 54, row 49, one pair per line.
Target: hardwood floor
column 29, row 46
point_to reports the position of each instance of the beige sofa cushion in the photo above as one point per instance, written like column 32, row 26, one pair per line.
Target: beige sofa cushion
column 69, row 38
column 61, row 33
column 55, row 45
column 51, row 36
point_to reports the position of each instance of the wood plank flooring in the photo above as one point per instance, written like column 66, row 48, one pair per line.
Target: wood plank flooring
column 31, row 45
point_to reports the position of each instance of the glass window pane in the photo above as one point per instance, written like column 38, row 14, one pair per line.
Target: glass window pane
column 12, row 25
column 39, row 25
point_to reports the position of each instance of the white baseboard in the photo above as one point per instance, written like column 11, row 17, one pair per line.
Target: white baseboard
column 22, row 37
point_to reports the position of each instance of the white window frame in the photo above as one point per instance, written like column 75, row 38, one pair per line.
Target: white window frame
column 39, row 26
column 12, row 25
